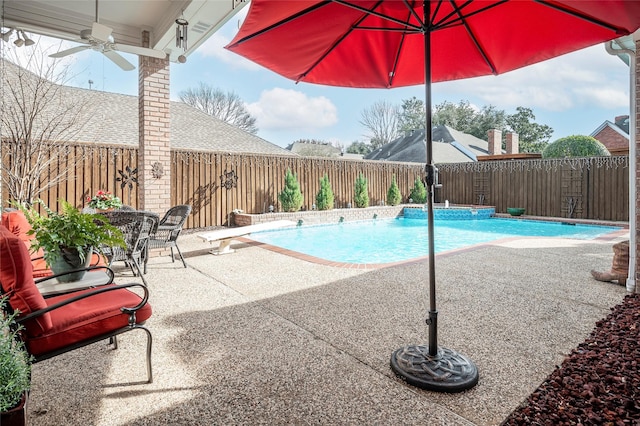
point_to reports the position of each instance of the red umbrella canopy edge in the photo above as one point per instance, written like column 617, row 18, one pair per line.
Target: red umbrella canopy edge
column 369, row 43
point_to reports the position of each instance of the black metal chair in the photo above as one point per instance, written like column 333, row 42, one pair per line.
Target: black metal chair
column 136, row 227
column 169, row 228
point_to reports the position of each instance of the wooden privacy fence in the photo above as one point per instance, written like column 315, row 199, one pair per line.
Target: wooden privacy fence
column 215, row 184
column 583, row 188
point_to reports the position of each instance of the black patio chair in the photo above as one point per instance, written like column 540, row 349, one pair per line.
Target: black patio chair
column 136, row 227
column 168, row 230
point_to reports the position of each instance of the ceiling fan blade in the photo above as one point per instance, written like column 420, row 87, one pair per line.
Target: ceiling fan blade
column 119, row 60
column 100, row 32
column 68, row 52
column 143, row 51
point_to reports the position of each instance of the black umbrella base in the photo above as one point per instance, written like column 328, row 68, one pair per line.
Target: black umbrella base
column 447, row 371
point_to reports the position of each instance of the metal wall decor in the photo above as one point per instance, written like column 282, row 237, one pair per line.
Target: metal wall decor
column 229, row 179
column 127, row 177
column 157, row 171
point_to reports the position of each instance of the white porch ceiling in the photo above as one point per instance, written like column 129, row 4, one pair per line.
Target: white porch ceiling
column 64, row 19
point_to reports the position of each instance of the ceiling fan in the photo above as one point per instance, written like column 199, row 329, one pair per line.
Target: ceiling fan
column 99, row 38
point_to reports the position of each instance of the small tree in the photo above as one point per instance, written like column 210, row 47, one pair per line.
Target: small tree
column 324, row 199
column 575, row 146
column 291, row 197
column 418, row 192
column 393, row 194
column 228, row 107
column 38, row 118
column 361, row 192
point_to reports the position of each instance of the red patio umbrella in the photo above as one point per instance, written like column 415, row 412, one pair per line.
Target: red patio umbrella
column 392, row 43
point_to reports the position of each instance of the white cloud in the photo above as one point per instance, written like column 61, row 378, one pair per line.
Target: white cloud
column 589, row 77
column 280, row 109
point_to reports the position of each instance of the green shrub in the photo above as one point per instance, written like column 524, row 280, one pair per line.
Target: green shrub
column 324, row 199
column 291, row 197
column 15, row 369
column 361, row 193
column 393, row 194
column 418, row 192
column 575, row 146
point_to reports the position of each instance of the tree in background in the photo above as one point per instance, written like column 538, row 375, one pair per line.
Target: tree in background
column 38, row 119
column 227, row 107
column 412, row 115
column 291, row 197
column 324, row 199
column 575, row 146
column 358, row 147
column 464, row 118
column 418, row 192
column 361, row 192
column 533, row 137
column 487, row 118
column 393, row 193
column 457, row 116
column 381, row 120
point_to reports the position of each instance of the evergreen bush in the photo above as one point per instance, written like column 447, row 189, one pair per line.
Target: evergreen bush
column 291, row 197
column 575, row 146
column 393, row 194
column 324, row 199
column 361, row 192
column 418, row 192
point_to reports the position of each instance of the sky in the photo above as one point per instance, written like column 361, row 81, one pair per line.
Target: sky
column 573, row 94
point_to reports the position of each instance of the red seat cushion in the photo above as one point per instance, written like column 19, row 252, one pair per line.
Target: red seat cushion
column 16, row 222
column 16, row 279
column 86, row 318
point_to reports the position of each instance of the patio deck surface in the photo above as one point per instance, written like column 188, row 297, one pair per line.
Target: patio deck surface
column 258, row 337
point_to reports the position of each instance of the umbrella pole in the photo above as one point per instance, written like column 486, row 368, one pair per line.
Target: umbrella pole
column 433, row 368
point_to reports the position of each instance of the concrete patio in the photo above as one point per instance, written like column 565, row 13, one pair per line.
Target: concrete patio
column 257, row 337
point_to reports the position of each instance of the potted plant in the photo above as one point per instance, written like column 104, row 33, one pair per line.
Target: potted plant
column 68, row 238
column 104, row 201
column 15, row 372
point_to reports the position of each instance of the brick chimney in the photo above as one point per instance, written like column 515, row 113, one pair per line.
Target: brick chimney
column 513, row 143
column 495, row 141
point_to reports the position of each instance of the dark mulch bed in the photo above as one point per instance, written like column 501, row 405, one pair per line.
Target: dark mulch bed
column 598, row 383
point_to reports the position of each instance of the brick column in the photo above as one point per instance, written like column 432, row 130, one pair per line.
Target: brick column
column 513, row 143
column 494, row 137
column 154, row 159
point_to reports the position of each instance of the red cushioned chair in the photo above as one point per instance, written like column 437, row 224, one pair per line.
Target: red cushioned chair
column 16, row 222
column 62, row 323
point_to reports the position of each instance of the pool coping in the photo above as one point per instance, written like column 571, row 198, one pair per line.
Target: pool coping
column 610, row 236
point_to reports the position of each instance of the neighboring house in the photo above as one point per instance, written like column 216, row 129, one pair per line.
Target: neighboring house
column 614, row 136
column 314, row 149
column 112, row 118
column 449, row 146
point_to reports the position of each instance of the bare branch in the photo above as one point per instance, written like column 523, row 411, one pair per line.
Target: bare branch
column 38, row 120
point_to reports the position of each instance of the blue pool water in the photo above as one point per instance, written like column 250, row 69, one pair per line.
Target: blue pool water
column 392, row 240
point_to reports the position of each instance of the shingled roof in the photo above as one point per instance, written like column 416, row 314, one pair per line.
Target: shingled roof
column 113, row 119
column 449, row 146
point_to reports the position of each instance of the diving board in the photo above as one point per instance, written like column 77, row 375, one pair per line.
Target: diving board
column 226, row 235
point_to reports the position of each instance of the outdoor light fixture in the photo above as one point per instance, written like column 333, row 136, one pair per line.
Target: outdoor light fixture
column 18, row 42
column 7, row 35
column 27, row 40
column 22, row 38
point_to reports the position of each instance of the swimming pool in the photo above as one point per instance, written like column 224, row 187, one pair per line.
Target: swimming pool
column 393, row 240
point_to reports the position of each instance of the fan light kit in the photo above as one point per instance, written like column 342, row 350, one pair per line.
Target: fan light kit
column 99, row 38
